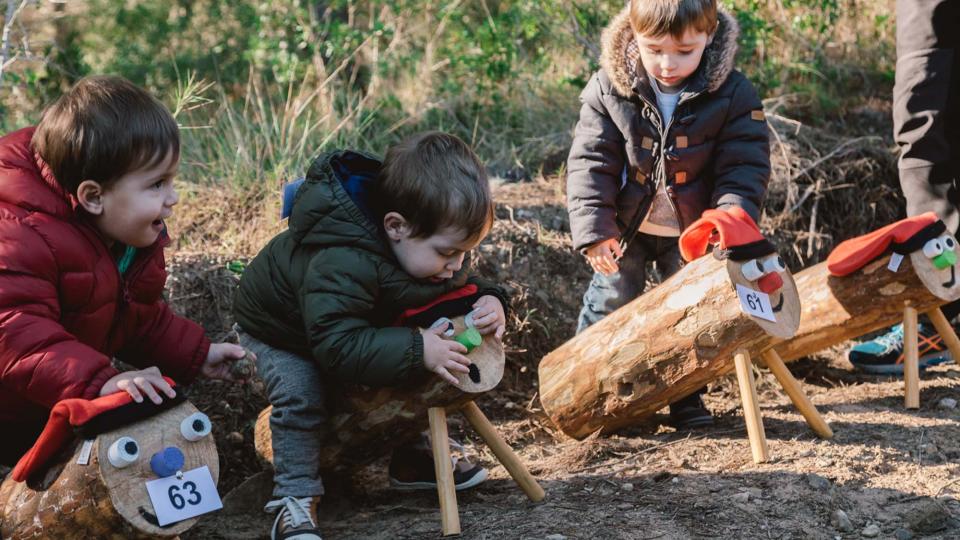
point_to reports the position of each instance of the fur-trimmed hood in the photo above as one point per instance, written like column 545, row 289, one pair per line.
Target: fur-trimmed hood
column 620, row 59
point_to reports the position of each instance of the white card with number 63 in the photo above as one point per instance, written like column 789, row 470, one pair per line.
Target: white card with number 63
column 176, row 499
column 755, row 303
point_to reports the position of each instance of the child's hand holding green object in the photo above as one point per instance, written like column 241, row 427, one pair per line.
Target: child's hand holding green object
column 441, row 355
column 488, row 316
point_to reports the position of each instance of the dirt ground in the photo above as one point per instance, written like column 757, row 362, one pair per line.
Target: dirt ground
column 888, row 472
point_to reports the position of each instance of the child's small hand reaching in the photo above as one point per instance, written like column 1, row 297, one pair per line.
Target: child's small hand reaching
column 220, row 360
column 603, row 256
column 488, row 316
column 136, row 383
column 442, row 356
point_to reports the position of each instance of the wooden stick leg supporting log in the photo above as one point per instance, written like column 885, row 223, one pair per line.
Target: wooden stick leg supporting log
column 799, row 398
column 751, row 409
column 443, row 467
column 502, row 450
column 946, row 331
column 911, row 359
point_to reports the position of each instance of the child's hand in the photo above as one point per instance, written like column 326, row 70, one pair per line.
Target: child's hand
column 603, row 256
column 488, row 316
column 442, row 356
column 136, row 383
column 220, row 359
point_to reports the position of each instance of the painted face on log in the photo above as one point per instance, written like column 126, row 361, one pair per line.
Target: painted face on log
column 936, row 265
column 485, row 354
column 177, row 440
column 769, row 274
column 765, row 275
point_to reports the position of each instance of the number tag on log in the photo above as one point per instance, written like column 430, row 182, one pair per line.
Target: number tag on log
column 755, row 303
column 176, row 499
column 895, row 260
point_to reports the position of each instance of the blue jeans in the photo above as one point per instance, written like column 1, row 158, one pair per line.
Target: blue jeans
column 608, row 293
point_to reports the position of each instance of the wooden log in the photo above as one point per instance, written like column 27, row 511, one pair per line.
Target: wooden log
column 751, row 407
column 946, row 331
column 370, row 422
column 505, row 455
column 795, row 392
column 73, row 501
column 443, row 469
column 911, row 359
column 836, row 309
column 659, row 348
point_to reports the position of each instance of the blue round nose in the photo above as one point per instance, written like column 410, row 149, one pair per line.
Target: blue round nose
column 167, row 461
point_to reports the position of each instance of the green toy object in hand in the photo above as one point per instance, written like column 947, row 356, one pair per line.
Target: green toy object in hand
column 469, row 338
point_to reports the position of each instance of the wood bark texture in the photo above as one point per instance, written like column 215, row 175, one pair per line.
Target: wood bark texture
column 71, row 501
column 836, row 309
column 659, row 348
column 368, row 423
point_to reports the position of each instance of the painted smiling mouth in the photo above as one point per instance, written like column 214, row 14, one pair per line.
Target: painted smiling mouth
column 953, row 278
column 152, row 519
column 779, row 306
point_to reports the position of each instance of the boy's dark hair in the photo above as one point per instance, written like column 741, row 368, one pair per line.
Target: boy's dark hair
column 103, row 128
column 674, row 17
column 434, row 180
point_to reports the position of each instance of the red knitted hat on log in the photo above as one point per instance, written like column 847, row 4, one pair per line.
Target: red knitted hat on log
column 733, row 233
column 86, row 418
column 905, row 236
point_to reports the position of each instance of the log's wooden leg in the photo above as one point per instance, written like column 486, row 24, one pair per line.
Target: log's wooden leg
column 502, row 450
column 449, row 516
column 911, row 358
column 946, row 331
column 751, row 409
column 799, row 398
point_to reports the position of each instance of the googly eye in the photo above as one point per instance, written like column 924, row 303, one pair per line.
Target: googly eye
column 195, row 427
column 123, row 452
column 752, row 270
column 949, row 243
column 446, row 323
column 933, row 248
column 774, row 264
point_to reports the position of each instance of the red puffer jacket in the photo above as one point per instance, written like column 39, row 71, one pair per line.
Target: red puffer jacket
column 65, row 310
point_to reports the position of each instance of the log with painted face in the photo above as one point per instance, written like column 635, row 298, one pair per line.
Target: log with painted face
column 677, row 337
column 866, row 281
column 66, row 488
column 369, row 423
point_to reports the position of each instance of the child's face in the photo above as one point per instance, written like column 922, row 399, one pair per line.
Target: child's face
column 132, row 209
column 434, row 258
column 670, row 60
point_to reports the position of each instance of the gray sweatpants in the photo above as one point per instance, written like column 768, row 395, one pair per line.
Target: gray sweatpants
column 298, row 422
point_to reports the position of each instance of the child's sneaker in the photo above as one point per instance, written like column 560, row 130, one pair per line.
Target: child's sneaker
column 296, row 519
column 690, row 413
column 883, row 355
column 411, row 468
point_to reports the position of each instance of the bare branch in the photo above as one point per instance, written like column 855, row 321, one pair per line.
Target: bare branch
column 13, row 11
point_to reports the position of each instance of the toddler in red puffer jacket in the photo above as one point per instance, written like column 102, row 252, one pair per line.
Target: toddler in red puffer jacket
column 83, row 199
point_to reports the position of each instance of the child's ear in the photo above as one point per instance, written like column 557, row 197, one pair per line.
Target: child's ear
column 90, row 196
column 396, row 226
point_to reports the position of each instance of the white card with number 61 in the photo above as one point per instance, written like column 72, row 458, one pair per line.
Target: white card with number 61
column 755, row 303
column 176, row 499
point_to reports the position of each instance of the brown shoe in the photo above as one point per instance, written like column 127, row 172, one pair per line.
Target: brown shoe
column 296, row 519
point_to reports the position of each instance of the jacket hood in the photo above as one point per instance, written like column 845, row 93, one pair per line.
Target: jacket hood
column 26, row 181
column 620, row 55
column 325, row 215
